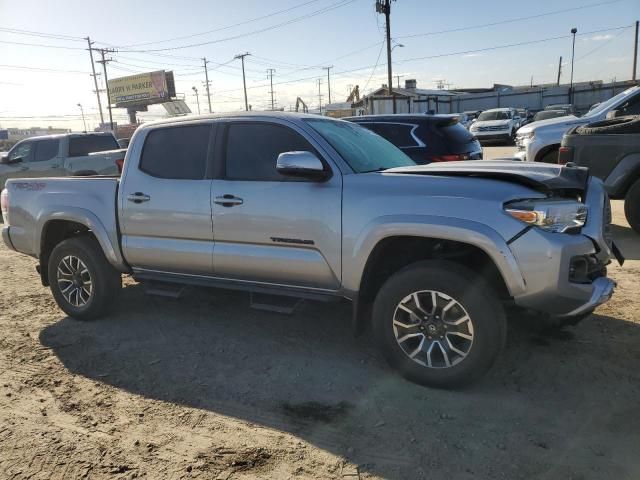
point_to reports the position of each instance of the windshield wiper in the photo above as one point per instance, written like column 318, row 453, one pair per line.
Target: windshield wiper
column 379, row 169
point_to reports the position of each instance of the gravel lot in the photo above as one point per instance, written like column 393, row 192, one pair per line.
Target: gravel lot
column 205, row 387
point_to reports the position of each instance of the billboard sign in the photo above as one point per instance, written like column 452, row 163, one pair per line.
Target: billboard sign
column 140, row 89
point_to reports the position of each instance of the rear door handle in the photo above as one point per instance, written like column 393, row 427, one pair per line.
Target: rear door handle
column 138, row 197
column 228, row 200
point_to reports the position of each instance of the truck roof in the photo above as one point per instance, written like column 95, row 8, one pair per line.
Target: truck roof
column 69, row 135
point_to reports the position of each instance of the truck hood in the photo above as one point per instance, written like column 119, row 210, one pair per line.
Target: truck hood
column 543, row 177
column 567, row 120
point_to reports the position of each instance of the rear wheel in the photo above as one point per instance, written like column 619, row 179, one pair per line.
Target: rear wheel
column 632, row 206
column 83, row 283
column 439, row 324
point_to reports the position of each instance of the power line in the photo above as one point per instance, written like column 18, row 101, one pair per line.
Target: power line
column 222, row 28
column 41, row 69
column 41, row 45
column 374, row 67
column 41, row 34
column 333, row 6
column 502, row 22
column 604, row 44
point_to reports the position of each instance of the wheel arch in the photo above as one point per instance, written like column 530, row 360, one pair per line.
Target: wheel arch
column 545, row 150
column 58, row 226
column 469, row 243
column 623, row 176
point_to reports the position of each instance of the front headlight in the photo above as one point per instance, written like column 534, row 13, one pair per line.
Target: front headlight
column 526, row 136
column 552, row 215
column 473, row 128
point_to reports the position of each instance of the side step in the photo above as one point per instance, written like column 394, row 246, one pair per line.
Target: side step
column 164, row 289
column 273, row 303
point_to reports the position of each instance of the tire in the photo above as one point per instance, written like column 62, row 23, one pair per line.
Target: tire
column 632, row 206
column 512, row 138
column 452, row 282
column 98, row 287
column 626, row 124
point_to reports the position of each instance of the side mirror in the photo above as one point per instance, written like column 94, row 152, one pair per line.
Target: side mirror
column 615, row 114
column 300, row 164
column 13, row 160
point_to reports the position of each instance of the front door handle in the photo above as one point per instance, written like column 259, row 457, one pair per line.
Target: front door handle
column 228, row 200
column 138, row 197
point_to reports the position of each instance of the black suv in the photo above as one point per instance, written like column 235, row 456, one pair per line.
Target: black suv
column 425, row 138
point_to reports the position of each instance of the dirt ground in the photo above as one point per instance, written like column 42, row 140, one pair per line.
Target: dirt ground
column 205, row 387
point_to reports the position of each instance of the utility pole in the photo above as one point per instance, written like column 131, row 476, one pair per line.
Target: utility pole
column 384, row 6
column 635, row 53
column 573, row 51
column 559, row 69
column 106, row 79
column 95, row 78
column 83, row 121
column 270, row 72
column 319, row 96
column 244, row 80
column 328, row 80
column 398, row 77
column 206, row 77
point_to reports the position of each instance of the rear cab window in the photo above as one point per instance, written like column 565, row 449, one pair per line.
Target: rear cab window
column 84, row 145
column 178, row 153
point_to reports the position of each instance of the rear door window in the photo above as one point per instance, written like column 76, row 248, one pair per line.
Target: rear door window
column 46, row 150
column 86, row 144
column 176, row 152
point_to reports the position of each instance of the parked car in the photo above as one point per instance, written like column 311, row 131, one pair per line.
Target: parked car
column 308, row 207
column 496, row 124
column 547, row 114
column 611, row 151
column 62, row 155
column 568, row 108
column 425, row 138
column 540, row 141
column 464, row 119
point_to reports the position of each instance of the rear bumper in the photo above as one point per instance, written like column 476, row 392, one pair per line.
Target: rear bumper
column 6, row 238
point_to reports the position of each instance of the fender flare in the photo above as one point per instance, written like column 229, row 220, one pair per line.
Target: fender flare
column 624, row 174
column 109, row 243
column 429, row 226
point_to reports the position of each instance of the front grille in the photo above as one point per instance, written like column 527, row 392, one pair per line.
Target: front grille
column 496, row 128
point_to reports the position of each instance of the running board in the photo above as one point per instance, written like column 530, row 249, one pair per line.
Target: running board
column 164, row 289
column 273, row 303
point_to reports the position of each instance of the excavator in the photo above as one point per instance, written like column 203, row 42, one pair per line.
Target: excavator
column 299, row 102
column 354, row 96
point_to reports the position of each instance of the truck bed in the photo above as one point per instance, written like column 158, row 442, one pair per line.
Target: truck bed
column 90, row 199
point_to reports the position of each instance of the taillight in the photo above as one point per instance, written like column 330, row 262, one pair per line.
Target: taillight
column 450, row 157
column 120, row 164
column 565, row 155
column 4, row 205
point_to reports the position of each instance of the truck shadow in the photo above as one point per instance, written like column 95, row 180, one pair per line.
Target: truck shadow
column 540, row 407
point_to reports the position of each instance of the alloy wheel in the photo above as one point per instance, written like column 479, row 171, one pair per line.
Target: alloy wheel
column 74, row 281
column 433, row 329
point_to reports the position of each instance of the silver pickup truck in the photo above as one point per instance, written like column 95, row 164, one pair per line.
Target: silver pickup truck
column 310, row 207
column 68, row 154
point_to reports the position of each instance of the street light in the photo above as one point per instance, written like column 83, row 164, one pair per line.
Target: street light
column 197, row 98
column 84, row 123
column 574, row 30
column 397, row 45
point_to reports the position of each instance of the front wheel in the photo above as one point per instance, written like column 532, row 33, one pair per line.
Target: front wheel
column 439, row 324
column 83, row 283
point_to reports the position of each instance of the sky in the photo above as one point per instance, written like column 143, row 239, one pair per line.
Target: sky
column 45, row 66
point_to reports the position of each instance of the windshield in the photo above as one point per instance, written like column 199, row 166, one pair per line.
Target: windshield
column 494, row 116
column 362, row 149
column 604, row 106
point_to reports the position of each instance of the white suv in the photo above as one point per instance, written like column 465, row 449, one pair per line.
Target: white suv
column 496, row 124
column 540, row 141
